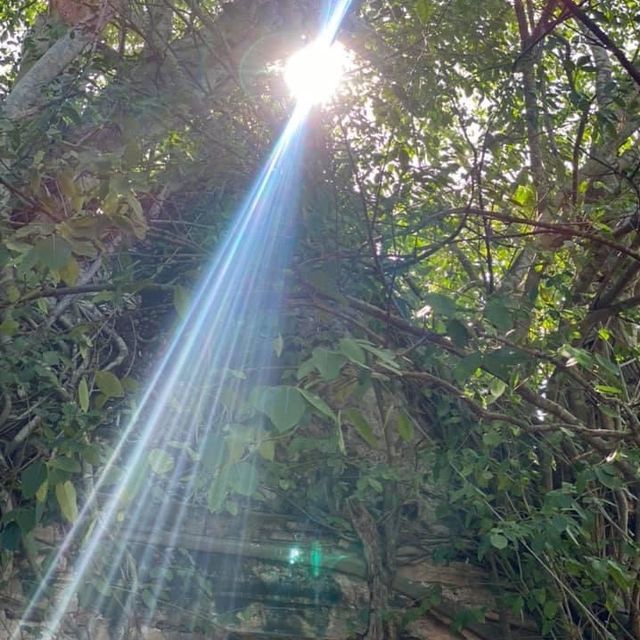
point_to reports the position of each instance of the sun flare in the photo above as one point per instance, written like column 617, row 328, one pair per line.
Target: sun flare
column 313, row 74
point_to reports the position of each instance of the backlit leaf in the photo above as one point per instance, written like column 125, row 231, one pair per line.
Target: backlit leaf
column 278, row 345
column 70, row 272
column 83, row 395
column 160, row 461
column 66, row 496
column 181, row 297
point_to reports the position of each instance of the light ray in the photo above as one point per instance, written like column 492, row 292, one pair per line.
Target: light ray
column 254, row 250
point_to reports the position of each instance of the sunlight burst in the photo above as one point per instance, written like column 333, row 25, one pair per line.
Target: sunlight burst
column 313, row 74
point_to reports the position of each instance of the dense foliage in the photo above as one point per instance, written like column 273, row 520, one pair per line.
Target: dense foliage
column 460, row 335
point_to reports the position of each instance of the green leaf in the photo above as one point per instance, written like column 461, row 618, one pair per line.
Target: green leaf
column 26, row 519
column 11, row 536
column 218, row 490
column 424, row 10
column 575, row 356
column 32, row 478
column 498, row 541
column 608, row 365
column 52, row 252
column 9, row 326
column 328, row 363
column 70, row 272
column 236, row 445
column 502, row 362
column 361, row 425
column 550, row 609
column 83, row 395
column 498, row 314
column 607, row 476
column 160, row 461
column 149, row 599
column 352, row 350
column 109, row 384
column 285, row 406
column 458, row 333
column 267, row 450
column 620, row 575
column 341, row 446
column 524, row 196
column 384, row 356
column 405, row 426
column 496, row 388
column 243, row 479
column 134, row 480
column 278, row 345
column 319, row 404
column 608, row 389
column 66, row 496
column 181, row 298
column 64, row 463
column 466, row 367
column 41, row 493
column 212, row 452
column 441, row 304
column 492, row 438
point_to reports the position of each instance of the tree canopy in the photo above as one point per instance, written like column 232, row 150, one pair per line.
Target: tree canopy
column 457, row 341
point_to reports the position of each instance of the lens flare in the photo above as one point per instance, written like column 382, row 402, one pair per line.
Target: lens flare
column 224, row 330
column 313, row 74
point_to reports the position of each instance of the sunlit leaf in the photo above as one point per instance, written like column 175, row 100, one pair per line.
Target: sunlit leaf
column 66, row 496
column 243, row 478
column 181, row 299
column 83, row 395
column 160, row 461
column 218, row 489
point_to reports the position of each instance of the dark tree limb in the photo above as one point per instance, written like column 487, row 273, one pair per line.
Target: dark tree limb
column 604, row 39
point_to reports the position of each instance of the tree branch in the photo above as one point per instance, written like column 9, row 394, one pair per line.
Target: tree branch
column 26, row 95
column 604, row 39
